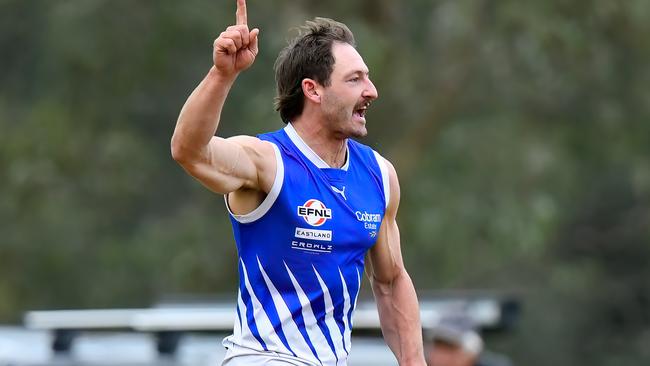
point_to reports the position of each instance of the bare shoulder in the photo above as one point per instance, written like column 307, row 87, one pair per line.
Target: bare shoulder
column 262, row 155
column 394, row 188
column 392, row 173
column 253, row 144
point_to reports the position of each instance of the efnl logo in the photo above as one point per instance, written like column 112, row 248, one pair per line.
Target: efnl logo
column 314, row 212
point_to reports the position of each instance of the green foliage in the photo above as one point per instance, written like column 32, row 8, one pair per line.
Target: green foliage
column 519, row 129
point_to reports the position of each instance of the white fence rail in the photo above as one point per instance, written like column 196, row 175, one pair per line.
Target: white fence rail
column 169, row 323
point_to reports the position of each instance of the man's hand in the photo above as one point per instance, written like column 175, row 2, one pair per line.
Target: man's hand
column 236, row 47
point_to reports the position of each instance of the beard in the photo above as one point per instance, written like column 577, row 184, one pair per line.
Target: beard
column 340, row 116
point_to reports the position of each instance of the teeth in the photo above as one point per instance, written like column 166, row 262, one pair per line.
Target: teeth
column 364, row 106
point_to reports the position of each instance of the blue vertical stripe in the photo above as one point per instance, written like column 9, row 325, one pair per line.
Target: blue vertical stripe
column 312, row 325
column 250, row 318
column 264, row 296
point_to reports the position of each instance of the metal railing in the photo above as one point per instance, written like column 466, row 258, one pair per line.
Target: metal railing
column 169, row 323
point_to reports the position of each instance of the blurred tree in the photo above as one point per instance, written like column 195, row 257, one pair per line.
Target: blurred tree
column 519, row 129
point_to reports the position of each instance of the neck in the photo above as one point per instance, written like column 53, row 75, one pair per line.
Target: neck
column 325, row 143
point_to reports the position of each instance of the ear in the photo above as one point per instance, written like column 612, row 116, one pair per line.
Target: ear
column 311, row 89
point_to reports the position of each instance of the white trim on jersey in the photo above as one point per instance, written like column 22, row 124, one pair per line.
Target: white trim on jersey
column 309, row 153
column 295, row 339
column 242, row 334
column 335, row 333
column 264, row 326
column 325, row 353
column 383, row 167
column 273, row 194
column 346, row 309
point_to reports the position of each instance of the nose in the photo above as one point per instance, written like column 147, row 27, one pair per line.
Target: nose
column 370, row 92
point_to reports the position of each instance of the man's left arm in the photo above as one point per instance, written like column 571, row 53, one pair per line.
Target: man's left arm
column 394, row 292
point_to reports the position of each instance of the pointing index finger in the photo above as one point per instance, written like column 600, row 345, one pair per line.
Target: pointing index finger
column 241, row 12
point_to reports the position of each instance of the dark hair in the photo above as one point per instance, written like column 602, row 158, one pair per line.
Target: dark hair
column 309, row 55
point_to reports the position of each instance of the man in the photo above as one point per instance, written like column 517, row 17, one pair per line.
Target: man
column 454, row 342
column 306, row 202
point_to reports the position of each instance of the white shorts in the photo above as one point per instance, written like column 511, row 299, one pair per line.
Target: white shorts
column 242, row 356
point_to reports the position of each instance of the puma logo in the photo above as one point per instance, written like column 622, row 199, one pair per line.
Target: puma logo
column 340, row 191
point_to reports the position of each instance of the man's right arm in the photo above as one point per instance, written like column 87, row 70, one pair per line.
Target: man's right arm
column 222, row 165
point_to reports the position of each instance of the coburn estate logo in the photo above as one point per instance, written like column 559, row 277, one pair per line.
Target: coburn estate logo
column 370, row 220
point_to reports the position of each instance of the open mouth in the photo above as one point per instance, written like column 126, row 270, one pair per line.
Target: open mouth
column 361, row 110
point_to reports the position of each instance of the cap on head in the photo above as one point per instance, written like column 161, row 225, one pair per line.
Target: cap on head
column 459, row 330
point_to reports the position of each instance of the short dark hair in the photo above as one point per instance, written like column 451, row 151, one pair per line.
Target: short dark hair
column 309, row 55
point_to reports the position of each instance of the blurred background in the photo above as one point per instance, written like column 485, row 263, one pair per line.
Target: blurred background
column 520, row 130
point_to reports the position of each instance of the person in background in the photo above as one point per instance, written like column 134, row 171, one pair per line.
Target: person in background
column 454, row 342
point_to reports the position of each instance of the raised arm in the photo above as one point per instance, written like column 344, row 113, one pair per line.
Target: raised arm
column 397, row 301
column 222, row 165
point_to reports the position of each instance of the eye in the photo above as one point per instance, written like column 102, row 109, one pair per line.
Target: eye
column 354, row 79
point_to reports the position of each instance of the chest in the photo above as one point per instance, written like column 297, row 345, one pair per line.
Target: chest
column 333, row 207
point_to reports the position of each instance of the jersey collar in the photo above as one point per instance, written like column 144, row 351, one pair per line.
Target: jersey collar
column 309, row 153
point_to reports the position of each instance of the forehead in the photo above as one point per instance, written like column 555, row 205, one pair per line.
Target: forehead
column 347, row 59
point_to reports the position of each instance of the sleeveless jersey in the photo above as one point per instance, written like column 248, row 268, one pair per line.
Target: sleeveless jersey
column 301, row 252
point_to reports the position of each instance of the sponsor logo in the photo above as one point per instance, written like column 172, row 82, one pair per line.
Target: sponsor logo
column 314, row 212
column 322, row 235
column 340, row 191
column 311, row 247
column 370, row 220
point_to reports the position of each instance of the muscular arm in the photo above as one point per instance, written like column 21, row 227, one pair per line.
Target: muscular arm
column 223, row 165
column 393, row 289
